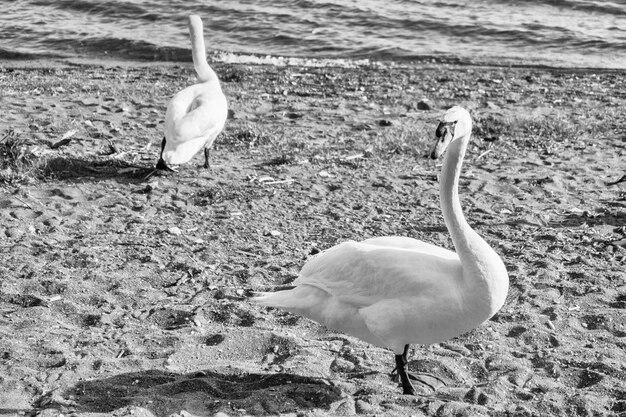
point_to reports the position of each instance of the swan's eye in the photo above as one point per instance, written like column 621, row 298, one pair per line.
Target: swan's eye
column 445, row 127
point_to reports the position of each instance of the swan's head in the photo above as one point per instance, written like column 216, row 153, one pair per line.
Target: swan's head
column 456, row 123
column 161, row 164
column 195, row 27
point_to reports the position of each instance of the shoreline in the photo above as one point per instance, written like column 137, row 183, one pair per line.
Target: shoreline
column 330, row 62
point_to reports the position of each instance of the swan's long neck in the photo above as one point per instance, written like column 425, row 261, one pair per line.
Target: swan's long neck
column 483, row 271
column 198, row 52
column 459, row 229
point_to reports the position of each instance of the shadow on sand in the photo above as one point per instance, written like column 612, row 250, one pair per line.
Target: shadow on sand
column 202, row 393
column 85, row 169
column 608, row 217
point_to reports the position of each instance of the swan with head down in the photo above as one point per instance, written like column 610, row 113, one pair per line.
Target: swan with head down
column 395, row 291
column 197, row 114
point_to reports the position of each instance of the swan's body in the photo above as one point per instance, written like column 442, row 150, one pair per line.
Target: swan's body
column 395, row 291
column 195, row 115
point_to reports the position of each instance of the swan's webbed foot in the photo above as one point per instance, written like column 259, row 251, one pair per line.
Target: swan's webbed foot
column 400, row 372
column 423, row 378
column 206, row 158
column 162, row 166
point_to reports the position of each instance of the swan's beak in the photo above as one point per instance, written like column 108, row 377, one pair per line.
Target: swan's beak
column 444, row 134
column 161, row 163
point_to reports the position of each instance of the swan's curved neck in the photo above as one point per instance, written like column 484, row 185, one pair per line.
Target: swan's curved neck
column 458, row 227
column 198, row 52
column 483, row 270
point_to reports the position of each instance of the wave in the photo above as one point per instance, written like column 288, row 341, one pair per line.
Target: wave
column 122, row 49
column 604, row 7
column 559, row 32
column 108, row 9
column 12, row 54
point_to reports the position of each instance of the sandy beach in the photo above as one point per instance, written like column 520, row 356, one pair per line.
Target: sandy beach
column 125, row 292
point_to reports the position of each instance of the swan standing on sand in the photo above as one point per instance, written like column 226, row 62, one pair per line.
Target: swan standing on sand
column 195, row 115
column 393, row 291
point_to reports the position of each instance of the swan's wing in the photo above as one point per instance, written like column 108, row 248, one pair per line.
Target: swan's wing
column 402, row 242
column 364, row 273
column 199, row 111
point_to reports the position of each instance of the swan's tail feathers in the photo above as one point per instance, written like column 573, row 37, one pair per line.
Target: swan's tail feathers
column 280, row 299
column 299, row 298
column 198, row 53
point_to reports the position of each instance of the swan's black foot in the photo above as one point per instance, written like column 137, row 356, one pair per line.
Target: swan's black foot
column 429, row 381
column 162, row 165
column 206, row 159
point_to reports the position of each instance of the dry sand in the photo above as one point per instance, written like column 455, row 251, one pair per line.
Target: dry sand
column 124, row 296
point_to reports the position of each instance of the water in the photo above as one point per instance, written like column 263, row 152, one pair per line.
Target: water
column 565, row 33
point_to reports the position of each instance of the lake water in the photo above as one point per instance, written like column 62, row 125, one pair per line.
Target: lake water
column 564, row 33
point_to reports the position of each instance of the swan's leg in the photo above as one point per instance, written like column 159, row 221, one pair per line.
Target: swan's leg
column 161, row 163
column 401, row 362
column 401, row 368
column 206, row 158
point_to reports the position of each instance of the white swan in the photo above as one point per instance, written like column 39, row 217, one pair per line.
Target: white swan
column 393, row 291
column 195, row 115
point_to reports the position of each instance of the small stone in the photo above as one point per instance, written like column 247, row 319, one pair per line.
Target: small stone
column 516, row 331
column 51, row 222
column 542, row 384
column 423, row 104
column 554, row 341
column 141, row 412
column 90, row 102
column 275, row 233
column 345, row 408
column 500, row 363
column 47, row 412
column 491, row 105
column 174, row 231
column 341, row 365
column 123, row 108
column 14, row 232
column 456, row 408
column 363, row 407
column 553, row 369
column 518, row 378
